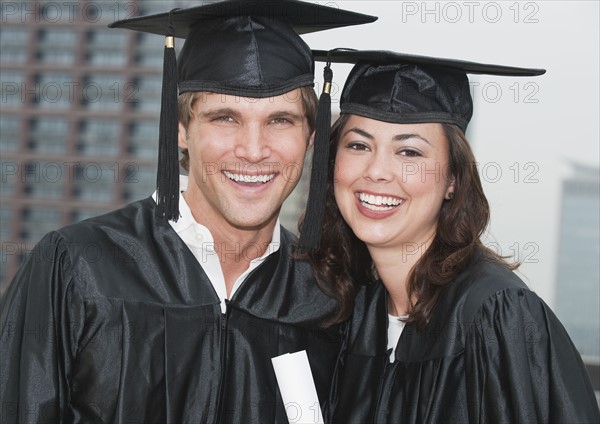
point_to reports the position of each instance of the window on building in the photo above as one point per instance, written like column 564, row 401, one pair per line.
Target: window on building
column 149, row 90
column 48, row 135
column 143, row 139
column 13, row 44
column 13, row 37
column 10, row 176
column 9, row 132
column 55, row 90
column 140, row 182
column 98, row 137
column 43, row 179
column 56, row 57
column 38, row 221
column 107, row 38
column 95, row 181
column 56, row 46
column 12, row 86
column 103, row 91
column 62, row 37
column 106, row 47
column 149, row 50
column 5, row 220
column 151, row 7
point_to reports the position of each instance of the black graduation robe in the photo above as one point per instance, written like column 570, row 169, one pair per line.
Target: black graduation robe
column 493, row 353
column 112, row 320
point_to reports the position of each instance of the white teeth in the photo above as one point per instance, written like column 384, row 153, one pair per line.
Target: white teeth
column 378, row 203
column 249, row 178
column 377, row 208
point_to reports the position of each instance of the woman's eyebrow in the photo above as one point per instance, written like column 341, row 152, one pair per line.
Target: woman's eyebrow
column 398, row 137
column 360, row 132
column 403, row 137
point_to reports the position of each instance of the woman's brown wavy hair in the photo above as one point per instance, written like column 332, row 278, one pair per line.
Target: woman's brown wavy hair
column 342, row 262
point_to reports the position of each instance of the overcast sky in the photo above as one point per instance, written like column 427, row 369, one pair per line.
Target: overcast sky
column 525, row 131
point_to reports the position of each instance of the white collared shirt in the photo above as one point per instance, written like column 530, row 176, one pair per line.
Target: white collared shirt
column 395, row 327
column 200, row 241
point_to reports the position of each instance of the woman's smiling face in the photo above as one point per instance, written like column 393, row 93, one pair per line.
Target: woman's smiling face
column 390, row 181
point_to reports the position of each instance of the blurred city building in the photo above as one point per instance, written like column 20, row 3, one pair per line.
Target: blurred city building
column 79, row 117
column 578, row 266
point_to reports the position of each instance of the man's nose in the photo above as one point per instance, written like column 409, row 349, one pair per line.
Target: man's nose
column 252, row 144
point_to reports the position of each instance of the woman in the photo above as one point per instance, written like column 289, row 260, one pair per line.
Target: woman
column 441, row 329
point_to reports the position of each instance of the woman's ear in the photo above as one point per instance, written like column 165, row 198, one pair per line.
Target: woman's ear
column 450, row 190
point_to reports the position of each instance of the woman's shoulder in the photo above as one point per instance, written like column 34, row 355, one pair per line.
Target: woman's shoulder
column 484, row 281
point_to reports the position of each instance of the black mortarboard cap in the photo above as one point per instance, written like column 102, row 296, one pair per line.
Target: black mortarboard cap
column 399, row 88
column 404, row 88
column 246, row 48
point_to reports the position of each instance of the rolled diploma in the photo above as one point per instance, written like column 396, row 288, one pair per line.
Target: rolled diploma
column 297, row 388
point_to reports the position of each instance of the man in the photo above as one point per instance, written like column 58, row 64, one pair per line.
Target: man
column 188, row 295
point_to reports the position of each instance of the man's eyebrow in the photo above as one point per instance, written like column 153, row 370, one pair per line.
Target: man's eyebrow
column 288, row 114
column 213, row 113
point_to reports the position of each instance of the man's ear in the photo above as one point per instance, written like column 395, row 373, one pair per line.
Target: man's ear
column 182, row 137
column 311, row 140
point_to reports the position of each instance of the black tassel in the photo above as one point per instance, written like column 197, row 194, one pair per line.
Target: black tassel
column 167, row 179
column 315, row 209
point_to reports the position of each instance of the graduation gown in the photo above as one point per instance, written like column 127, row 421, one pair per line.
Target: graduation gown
column 493, row 353
column 113, row 320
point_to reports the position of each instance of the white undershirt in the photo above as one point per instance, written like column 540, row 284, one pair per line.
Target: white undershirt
column 395, row 327
column 200, row 241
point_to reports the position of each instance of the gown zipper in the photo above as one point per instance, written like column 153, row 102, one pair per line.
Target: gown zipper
column 223, row 346
column 223, row 354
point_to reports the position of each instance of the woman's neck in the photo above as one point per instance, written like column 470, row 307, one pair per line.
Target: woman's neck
column 393, row 267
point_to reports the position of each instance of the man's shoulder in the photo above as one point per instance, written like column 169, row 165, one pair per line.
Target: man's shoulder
column 113, row 230
column 126, row 218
